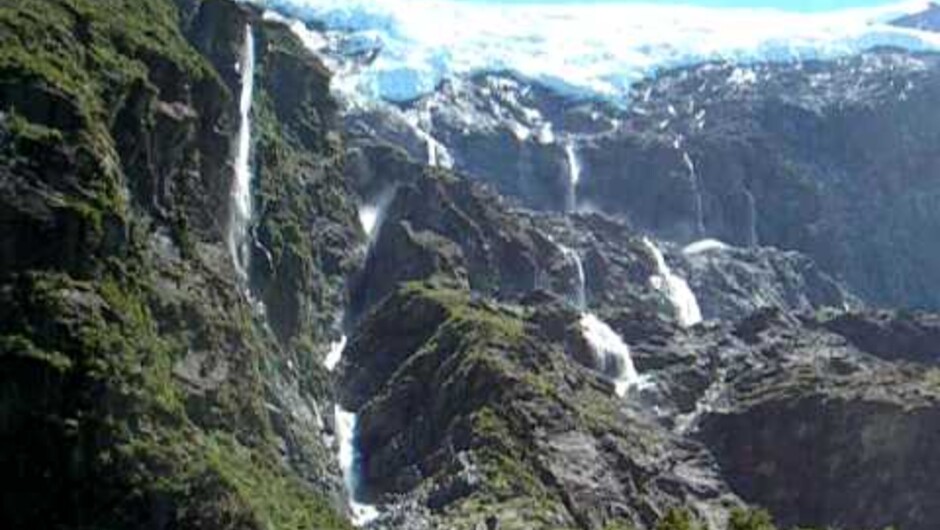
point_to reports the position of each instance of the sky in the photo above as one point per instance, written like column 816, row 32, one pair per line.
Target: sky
column 790, row 5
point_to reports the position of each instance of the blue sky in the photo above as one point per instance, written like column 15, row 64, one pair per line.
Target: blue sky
column 792, row 5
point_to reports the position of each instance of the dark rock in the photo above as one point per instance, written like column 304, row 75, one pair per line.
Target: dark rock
column 893, row 336
column 928, row 19
column 483, row 391
column 128, row 348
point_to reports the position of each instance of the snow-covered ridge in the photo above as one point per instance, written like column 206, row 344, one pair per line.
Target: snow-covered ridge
column 406, row 48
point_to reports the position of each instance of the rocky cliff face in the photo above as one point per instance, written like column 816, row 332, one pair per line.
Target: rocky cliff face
column 776, row 155
column 141, row 387
column 520, row 353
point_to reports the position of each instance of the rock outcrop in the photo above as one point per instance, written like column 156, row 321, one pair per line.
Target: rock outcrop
column 476, row 410
column 140, row 385
column 777, row 154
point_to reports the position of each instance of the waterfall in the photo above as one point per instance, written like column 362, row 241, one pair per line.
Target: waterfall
column 675, row 288
column 437, row 153
column 372, row 213
column 347, row 454
column 350, row 462
column 335, row 354
column 345, row 422
column 580, row 298
column 612, row 353
column 753, row 239
column 369, row 218
column 574, row 175
column 696, row 192
column 241, row 187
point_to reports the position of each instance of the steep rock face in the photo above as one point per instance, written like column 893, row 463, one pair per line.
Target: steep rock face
column 307, row 236
column 474, row 411
column 733, row 282
column 789, row 159
column 435, row 224
column 890, row 335
column 779, row 155
column 499, row 253
column 782, row 453
column 803, row 422
column 129, row 350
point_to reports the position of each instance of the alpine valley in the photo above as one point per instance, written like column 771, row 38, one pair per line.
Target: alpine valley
column 433, row 264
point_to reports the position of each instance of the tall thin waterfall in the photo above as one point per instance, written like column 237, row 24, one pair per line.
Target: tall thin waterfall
column 574, row 175
column 345, row 423
column 612, row 353
column 697, row 194
column 241, row 208
column 675, row 288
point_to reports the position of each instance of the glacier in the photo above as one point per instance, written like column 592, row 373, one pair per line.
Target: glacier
column 405, row 49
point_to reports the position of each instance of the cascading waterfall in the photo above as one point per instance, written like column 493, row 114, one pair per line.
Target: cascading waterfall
column 345, row 422
column 612, row 352
column 347, row 454
column 574, row 175
column 675, row 288
column 438, row 155
column 696, row 193
column 349, row 463
column 335, row 354
column 241, row 208
column 706, row 403
column 613, row 355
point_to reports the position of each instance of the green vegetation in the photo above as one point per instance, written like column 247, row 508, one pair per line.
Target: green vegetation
column 741, row 519
column 132, row 379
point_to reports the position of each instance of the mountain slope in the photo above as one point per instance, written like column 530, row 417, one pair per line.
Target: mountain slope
column 181, row 266
column 139, row 386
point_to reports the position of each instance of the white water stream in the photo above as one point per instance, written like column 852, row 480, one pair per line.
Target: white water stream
column 241, row 209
